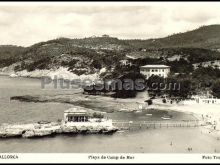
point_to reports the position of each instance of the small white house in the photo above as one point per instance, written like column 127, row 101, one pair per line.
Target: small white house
column 159, row 70
column 125, row 62
column 201, row 100
column 79, row 117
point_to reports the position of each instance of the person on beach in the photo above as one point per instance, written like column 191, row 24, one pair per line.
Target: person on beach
column 214, row 127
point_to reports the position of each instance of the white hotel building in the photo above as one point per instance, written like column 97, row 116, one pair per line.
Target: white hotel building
column 159, row 70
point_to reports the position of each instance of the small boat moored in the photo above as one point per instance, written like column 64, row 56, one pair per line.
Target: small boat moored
column 166, row 117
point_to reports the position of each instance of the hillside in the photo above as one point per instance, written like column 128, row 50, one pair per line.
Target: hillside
column 10, row 54
column 80, row 56
column 203, row 37
column 90, row 55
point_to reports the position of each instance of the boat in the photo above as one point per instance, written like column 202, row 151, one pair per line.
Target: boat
column 124, row 110
column 121, row 131
column 13, row 75
column 138, row 111
column 166, row 117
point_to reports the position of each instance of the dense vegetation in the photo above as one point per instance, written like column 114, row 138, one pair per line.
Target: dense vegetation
column 204, row 79
column 10, row 54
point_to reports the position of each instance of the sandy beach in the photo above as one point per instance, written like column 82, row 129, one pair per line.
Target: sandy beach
column 204, row 112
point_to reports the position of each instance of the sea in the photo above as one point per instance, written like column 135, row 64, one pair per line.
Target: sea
column 160, row 140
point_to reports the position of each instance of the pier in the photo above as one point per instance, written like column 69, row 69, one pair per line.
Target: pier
column 129, row 125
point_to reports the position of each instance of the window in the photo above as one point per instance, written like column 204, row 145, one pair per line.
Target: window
column 152, row 70
column 70, row 118
column 86, row 118
column 75, row 119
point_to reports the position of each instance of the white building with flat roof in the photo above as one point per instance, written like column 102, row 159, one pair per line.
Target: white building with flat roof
column 159, row 70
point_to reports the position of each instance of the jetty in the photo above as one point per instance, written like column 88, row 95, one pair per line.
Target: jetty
column 134, row 125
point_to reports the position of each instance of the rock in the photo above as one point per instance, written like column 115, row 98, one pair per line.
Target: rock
column 45, row 128
column 28, row 133
column 36, row 133
column 83, row 129
column 70, row 129
column 9, row 132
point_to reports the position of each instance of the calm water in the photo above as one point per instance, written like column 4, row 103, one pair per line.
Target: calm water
column 144, row 141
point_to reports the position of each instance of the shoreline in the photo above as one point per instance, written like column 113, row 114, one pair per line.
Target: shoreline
column 55, row 73
column 204, row 113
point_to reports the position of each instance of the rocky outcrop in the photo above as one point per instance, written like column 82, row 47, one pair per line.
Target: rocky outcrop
column 42, row 129
column 88, row 129
column 7, row 132
column 37, row 133
column 66, row 129
column 29, row 130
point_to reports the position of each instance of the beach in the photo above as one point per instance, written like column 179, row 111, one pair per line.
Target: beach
column 206, row 113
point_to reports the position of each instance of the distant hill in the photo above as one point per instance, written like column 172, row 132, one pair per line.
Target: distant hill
column 204, row 37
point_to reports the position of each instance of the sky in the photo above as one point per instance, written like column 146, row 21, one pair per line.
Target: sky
column 25, row 24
